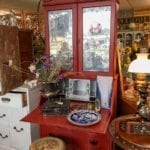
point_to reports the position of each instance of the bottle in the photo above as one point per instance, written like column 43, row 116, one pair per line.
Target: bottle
column 97, row 105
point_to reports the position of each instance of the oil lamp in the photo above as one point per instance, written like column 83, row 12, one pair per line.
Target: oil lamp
column 140, row 68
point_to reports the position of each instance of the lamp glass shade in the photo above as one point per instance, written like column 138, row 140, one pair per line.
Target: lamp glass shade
column 141, row 64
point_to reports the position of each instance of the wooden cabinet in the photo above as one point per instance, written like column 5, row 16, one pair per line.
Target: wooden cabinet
column 15, row 45
column 85, row 31
column 14, row 134
column 9, row 49
column 26, row 50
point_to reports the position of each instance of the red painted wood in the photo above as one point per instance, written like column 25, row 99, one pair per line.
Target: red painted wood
column 78, row 137
column 113, row 104
column 77, row 6
column 58, row 2
column 93, row 137
column 112, row 37
column 61, row 121
column 74, row 40
column 85, row 138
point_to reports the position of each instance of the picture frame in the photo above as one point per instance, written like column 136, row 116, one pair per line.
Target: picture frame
column 79, row 89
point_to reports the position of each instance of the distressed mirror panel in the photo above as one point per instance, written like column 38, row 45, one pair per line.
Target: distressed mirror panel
column 96, row 38
column 60, row 35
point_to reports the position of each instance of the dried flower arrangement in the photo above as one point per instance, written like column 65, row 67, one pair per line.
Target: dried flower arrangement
column 45, row 69
column 48, row 70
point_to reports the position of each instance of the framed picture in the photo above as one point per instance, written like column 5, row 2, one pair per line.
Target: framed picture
column 79, row 89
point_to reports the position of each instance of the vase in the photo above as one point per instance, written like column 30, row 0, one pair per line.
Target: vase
column 50, row 89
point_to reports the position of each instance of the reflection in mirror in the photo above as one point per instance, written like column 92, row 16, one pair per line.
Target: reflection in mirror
column 60, row 35
column 79, row 89
column 96, row 38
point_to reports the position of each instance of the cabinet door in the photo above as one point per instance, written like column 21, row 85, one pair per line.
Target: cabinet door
column 10, row 78
column 85, row 34
column 96, row 46
column 62, row 34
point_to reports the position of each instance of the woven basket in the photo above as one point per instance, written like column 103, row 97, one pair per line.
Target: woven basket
column 48, row 143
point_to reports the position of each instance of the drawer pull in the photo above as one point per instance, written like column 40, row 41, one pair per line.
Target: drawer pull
column 94, row 142
column 15, row 128
column 5, row 100
column 6, row 136
column 3, row 115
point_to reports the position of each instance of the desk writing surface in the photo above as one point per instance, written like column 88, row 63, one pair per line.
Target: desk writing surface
column 36, row 116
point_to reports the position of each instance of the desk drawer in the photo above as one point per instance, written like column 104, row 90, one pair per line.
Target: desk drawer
column 65, row 135
column 16, row 100
column 56, row 131
column 97, row 142
column 4, row 116
column 18, row 135
column 4, row 135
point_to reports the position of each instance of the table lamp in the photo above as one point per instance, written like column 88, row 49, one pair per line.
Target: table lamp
column 140, row 68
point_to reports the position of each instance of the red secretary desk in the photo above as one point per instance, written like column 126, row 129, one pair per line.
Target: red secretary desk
column 95, row 137
column 85, row 30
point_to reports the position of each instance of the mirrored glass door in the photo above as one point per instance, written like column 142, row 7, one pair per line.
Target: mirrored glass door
column 96, row 38
column 60, row 35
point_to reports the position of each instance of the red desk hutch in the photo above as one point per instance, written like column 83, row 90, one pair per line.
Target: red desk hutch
column 86, row 31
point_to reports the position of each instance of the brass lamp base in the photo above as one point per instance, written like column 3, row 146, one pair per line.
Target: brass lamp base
column 140, row 81
column 143, row 109
column 141, row 85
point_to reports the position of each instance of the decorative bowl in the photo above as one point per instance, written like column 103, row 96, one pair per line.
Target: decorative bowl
column 84, row 117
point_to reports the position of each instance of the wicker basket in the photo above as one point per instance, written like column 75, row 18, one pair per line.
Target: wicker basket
column 48, row 143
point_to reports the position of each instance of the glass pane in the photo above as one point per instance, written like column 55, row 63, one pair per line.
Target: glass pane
column 60, row 31
column 96, row 38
